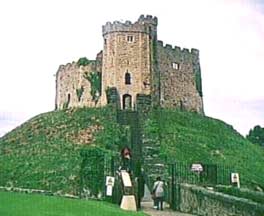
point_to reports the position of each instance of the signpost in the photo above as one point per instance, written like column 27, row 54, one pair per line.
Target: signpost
column 235, row 179
column 198, row 168
column 126, row 179
column 110, row 181
column 128, row 200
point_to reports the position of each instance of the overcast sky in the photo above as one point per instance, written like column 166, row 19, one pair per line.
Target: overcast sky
column 39, row 35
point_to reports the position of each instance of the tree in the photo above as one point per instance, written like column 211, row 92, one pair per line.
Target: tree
column 83, row 61
column 256, row 135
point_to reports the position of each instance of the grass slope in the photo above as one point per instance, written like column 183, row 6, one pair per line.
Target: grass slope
column 191, row 137
column 13, row 204
column 44, row 152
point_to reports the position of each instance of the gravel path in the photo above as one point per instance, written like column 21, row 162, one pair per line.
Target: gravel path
column 147, row 207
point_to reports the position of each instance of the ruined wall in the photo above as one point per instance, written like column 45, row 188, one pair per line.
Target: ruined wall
column 178, row 80
column 70, row 79
column 127, row 50
column 200, row 201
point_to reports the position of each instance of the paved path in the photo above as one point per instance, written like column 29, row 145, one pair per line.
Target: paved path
column 147, row 207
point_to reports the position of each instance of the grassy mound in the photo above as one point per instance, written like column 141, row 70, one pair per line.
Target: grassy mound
column 190, row 137
column 44, row 152
column 13, row 204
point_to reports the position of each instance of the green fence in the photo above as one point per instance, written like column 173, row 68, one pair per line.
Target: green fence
column 96, row 165
column 181, row 172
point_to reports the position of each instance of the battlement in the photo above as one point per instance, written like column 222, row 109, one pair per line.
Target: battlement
column 148, row 19
column 178, row 50
column 74, row 66
column 68, row 66
column 141, row 25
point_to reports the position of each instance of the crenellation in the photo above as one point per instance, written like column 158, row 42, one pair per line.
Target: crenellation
column 123, row 27
column 139, row 26
column 61, row 67
column 128, row 22
column 195, row 51
column 135, row 63
column 160, row 43
column 185, row 51
column 177, row 49
column 149, row 19
column 168, row 47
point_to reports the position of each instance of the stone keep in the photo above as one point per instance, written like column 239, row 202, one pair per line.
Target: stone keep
column 135, row 63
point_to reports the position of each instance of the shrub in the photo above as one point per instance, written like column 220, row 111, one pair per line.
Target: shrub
column 83, row 61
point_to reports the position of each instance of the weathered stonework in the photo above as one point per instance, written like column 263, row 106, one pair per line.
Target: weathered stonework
column 200, row 201
column 134, row 62
column 178, row 85
column 70, row 78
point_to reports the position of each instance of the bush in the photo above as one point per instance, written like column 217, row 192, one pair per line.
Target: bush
column 83, row 61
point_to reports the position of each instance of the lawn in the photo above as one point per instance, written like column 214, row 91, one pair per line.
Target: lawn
column 14, row 204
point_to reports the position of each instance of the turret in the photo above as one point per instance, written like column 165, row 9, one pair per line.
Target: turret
column 127, row 58
column 144, row 24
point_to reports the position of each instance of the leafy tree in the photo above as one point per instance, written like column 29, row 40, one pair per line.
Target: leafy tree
column 256, row 135
column 83, row 61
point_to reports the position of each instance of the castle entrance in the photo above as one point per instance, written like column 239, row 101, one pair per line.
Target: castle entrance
column 127, row 101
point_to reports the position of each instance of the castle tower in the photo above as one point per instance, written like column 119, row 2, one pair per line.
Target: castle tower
column 138, row 69
column 127, row 58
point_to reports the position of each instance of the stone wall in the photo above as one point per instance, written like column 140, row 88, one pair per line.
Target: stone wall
column 127, row 51
column 178, row 85
column 135, row 63
column 69, row 80
column 200, row 201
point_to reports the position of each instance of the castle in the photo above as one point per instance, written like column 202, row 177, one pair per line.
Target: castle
column 133, row 63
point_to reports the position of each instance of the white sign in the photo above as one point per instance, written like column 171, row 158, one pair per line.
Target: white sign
column 109, row 190
column 126, row 178
column 197, row 168
column 235, row 179
column 110, row 181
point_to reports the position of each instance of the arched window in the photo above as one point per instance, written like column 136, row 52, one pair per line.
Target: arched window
column 127, row 78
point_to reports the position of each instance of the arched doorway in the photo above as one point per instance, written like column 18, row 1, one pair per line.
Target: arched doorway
column 127, row 101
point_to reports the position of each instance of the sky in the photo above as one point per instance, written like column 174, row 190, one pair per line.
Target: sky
column 39, row 35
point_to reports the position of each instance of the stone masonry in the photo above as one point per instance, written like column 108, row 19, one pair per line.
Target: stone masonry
column 135, row 63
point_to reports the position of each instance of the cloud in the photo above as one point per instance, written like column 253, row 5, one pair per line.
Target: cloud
column 243, row 115
column 38, row 36
column 10, row 120
column 7, row 125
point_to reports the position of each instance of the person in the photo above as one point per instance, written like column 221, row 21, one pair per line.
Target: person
column 158, row 193
column 126, row 159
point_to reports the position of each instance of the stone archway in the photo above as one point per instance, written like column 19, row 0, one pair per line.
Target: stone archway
column 127, row 101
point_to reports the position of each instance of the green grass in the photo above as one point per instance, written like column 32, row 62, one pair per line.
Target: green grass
column 13, row 204
column 44, row 152
column 190, row 137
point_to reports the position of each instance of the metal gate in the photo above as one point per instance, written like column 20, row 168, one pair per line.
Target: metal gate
column 181, row 172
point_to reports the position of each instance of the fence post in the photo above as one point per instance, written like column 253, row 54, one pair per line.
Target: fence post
column 173, row 206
